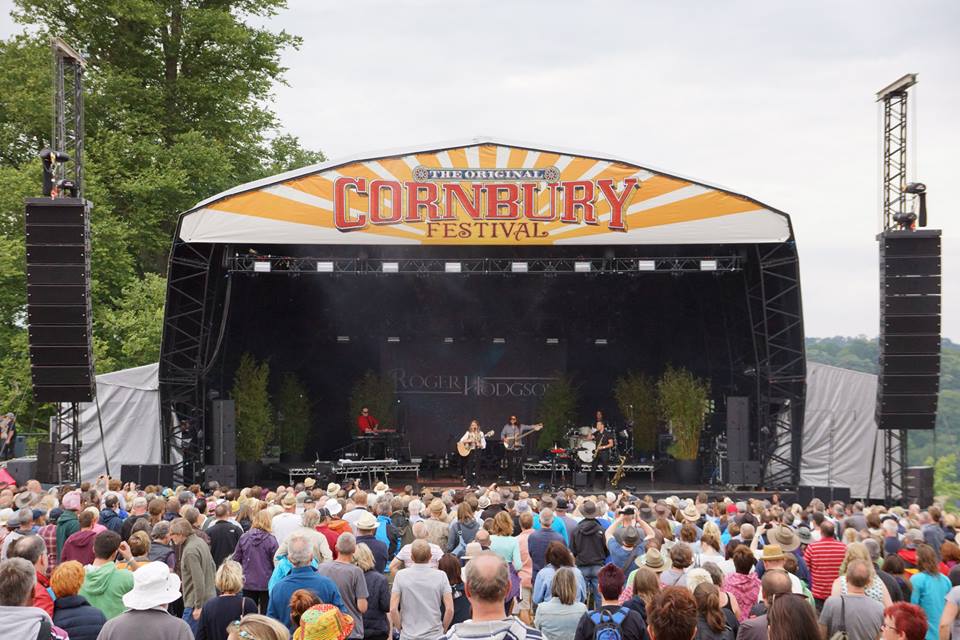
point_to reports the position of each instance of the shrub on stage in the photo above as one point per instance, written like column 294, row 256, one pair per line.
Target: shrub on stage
column 254, row 413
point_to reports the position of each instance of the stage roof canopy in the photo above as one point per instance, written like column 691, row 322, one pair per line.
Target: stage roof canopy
column 482, row 192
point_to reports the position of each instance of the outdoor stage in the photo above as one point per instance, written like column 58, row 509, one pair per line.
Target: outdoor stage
column 471, row 277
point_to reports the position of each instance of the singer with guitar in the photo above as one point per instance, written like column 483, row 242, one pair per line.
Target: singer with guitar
column 604, row 440
column 470, row 446
column 512, row 435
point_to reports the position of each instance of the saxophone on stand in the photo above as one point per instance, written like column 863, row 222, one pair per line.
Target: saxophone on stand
column 618, row 476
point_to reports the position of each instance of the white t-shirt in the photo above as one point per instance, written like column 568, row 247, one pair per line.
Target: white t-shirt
column 284, row 524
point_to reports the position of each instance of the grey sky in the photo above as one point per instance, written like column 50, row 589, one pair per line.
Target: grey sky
column 770, row 100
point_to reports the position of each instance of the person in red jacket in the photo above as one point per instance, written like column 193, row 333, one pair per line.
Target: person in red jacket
column 366, row 422
column 79, row 546
column 33, row 549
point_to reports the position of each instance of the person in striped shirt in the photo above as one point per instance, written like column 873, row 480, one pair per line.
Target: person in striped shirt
column 824, row 558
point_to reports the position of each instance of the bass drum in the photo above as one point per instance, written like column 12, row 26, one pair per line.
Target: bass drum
column 586, row 450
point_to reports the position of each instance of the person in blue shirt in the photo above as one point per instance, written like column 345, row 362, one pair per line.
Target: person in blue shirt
column 303, row 576
column 555, row 524
column 929, row 589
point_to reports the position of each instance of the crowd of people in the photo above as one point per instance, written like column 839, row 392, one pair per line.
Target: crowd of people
column 106, row 560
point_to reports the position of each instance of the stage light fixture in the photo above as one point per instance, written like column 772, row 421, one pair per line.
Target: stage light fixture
column 393, row 339
column 646, row 265
column 582, row 266
column 553, row 340
column 325, row 267
column 391, row 267
column 499, row 341
column 600, row 341
column 708, row 265
column 453, row 267
column 261, row 266
column 519, row 267
column 343, row 338
column 448, row 340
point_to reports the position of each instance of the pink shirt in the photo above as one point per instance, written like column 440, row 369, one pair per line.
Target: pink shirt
column 526, row 573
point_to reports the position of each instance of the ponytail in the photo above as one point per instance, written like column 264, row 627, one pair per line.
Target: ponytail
column 707, row 596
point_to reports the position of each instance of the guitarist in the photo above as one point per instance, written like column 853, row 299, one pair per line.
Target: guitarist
column 604, row 439
column 474, row 440
column 511, row 436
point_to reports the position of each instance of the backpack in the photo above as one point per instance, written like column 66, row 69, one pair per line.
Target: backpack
column 607, row 625
column 841, row 632
column 405, row 529
column 461, row 547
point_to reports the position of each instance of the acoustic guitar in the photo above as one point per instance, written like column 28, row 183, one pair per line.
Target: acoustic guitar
column 464, row 448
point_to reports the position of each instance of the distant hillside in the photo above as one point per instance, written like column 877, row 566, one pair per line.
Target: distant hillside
column 861, row 354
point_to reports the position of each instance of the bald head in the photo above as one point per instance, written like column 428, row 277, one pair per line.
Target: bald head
column 487, row 578
column 775, row 582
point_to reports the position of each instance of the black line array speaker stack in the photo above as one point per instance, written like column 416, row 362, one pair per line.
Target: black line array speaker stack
column 918, row 486
column 147, row 474
column 740, row 469
column 909, row 329
column 58, row 299
column 222, row 458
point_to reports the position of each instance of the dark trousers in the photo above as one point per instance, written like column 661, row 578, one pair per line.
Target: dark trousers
column 260, row 598
column 602, row 459
column 514, row 459
column 472, row 468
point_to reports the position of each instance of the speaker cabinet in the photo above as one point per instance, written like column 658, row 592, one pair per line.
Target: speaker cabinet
column 58, row 299
column 224, row 474
column 50, row 456
column 223, row 433
column 743, row 472
column 918, row 486
column 22, row 470
column 738, row 428
column 910, row 282
column 146, row 474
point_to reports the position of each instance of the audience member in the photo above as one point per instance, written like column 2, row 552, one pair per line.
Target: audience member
column 229, row 605
column 255, row 552
column 197, row 571
column 303, row 576
column 559, row 617
column 349, row 581
column 854, row 612
column 104, row 585
column 417, row 595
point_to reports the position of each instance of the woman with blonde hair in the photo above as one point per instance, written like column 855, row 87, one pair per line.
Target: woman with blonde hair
column 876, row 589
column 139, row 543
column 72, row 612
column 230, row 605
column 375, row 624
column 256, row 627
column 255, row 551
column 558, row 617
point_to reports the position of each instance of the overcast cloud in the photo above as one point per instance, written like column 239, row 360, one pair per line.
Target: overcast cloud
column 773, row 101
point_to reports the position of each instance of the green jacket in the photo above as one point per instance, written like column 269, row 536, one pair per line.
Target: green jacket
column 197, row 572
column 67, row 524
column 104, row 587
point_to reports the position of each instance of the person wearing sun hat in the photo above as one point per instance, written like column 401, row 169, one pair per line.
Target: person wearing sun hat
column 654, row 560
column 690, row 513
column 146, row 618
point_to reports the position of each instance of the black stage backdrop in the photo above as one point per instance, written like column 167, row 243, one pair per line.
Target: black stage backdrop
column 442, row 387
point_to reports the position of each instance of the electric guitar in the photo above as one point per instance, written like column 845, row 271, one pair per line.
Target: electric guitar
column 514, row 441
column 464, row 448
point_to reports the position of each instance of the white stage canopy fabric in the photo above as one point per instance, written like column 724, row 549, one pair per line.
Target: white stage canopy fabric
column 841, row 442
column 840, row 435
column 130, row 413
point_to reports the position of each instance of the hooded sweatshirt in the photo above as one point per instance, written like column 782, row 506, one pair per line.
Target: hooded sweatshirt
column 508, row 629
column 468, row 529
column 104, row 587
column 24, row 622
column 588, row 544
column 111, row 520
column 67, row 525
column 79, row 547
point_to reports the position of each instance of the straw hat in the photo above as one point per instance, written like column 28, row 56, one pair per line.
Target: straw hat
column 772, row 552
column 153, row 585
column 690, row 512
column 654, row 560
column 785, row 537
column 333, row 489
column 309, row 483
column 367, row 522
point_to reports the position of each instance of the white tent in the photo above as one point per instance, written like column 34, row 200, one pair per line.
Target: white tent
column 130, row 414
column 840, row 435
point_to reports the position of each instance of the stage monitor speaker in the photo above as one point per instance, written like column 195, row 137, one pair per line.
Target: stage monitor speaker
column 910, row 287
column 58, row 299
column 225, row 474
column 743, row 472
column 918, row 486
column 738, row 428
column 223, row 432
column 22, row 470
column 579, row 479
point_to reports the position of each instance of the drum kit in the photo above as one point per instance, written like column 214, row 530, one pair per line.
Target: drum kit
column 580, row 450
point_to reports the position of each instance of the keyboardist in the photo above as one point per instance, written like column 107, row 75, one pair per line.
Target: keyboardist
column 366, row 423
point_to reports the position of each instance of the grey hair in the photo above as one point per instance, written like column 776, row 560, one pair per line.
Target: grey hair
column 311, row 518
column 546, row 518
column 160, row 530
column 299, row 549
column 347, row 544
column 17, row 580
column 139, row 502
column 420, row 530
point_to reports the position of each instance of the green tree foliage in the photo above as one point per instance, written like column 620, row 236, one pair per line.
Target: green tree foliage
column 293, row 414
column 684, row 402
column 558, row 410
column 946, row 478
column 178, row 108
column 254, row 414
column 636, row 395
column 378, row 395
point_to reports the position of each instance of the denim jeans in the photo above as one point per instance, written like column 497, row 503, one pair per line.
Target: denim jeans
column 593, row 586
column 188, row 618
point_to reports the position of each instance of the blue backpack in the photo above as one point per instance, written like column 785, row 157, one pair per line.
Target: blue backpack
column 607, row 625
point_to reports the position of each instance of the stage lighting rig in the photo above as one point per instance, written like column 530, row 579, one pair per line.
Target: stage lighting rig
column 919, row 190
